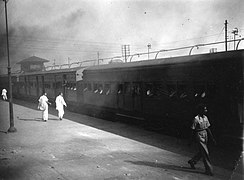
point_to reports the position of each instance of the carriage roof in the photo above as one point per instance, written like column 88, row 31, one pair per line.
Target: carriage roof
column 171, row 61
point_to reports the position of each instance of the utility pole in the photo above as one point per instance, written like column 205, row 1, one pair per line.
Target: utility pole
column 126, row 51
column 226, row 35
column 11, row 116
column 148, row 47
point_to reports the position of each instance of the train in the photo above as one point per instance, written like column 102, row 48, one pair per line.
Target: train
column 160, row 93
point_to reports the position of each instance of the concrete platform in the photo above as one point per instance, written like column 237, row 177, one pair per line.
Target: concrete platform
column 82, row 147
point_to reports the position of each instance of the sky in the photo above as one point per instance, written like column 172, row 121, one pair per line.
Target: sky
column 64, row 31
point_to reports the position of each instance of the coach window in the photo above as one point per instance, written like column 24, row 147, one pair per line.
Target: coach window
column 100, row 88
column 156, row 89
column 64, row 79
column 127, row 88
column 73, row 86
column 182, row 91
column 87, row 87
column 149, row 89
column 171, row 90
column 67, row 85
column 70, row 86
column 22, row 84
column 120, row 88
column 113, row 88
column 160, row 89
column 107, row 89
column 199, row 91
column 65, row 82
column 47, row 86
column 95, row 88
column 58, row 85
column 136, row 89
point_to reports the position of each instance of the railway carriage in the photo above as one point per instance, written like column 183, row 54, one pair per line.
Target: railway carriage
column 164, row 92
column 161, row 93
column 31, row 85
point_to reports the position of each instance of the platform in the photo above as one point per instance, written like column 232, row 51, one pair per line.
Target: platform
column 87, row 148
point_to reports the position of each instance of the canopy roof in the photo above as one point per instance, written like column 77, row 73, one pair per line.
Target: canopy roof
column 33, row 59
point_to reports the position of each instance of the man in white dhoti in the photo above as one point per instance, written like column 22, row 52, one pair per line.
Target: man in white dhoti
column 60, row 103
column 43, row 106
column 4, row 94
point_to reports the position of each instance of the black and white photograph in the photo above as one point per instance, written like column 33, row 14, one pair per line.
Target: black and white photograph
column 121, row 89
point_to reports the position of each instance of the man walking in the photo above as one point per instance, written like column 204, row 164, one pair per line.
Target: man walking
column 4, row 94
column 60, row 103
column 43, row 106
column 200, row 128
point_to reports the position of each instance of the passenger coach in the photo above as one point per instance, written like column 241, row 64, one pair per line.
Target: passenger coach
column 31, row 85
column 159, row 93
column 164, row 92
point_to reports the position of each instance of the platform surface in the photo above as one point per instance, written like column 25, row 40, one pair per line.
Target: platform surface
column 86, row 148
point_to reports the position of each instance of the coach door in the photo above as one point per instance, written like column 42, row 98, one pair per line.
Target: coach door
column 136, row 97
column 128, row 96
column 120, row 96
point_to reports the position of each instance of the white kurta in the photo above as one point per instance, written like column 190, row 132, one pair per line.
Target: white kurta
column 44, row 107
column 60, row 103
column 4, row 94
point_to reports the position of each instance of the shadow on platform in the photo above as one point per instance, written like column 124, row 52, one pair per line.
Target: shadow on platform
column 5, row 132
column 224, row 157
column 165, row 166
column 38, row 119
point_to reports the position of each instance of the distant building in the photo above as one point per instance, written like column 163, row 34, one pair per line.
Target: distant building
column 32, row 63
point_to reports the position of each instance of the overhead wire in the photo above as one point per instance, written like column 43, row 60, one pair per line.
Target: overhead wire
column 220, row 34
column 54, row 43
column 79, row 43
column 49, row 46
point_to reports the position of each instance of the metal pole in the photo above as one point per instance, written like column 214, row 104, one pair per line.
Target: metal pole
column 11, row 117
column 226, row 35
column 148, row 47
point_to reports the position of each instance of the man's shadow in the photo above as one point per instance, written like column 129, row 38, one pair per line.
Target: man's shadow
column 5, row 132
column 165, row 166
column 36, row 119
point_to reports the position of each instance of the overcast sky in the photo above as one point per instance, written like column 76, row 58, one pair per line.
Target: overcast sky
column 78, row 29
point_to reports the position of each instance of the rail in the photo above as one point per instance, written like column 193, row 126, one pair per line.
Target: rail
column 71, row 65
column 110, row 59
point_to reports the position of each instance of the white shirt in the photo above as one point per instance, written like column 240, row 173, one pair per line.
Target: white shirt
column 4, row 91
column 60, row 102
column 200, row 123
column 43, row 102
